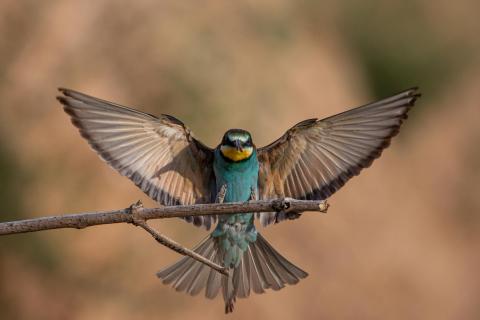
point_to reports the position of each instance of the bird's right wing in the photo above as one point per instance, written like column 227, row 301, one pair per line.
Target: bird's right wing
column 159, row 155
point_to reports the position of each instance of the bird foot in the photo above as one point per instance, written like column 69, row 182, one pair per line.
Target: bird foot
column 253, row 195
column 281, row 205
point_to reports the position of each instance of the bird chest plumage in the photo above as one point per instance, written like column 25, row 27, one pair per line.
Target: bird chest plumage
column 239, row 177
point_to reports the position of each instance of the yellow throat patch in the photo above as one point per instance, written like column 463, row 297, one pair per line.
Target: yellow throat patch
column 233, row 154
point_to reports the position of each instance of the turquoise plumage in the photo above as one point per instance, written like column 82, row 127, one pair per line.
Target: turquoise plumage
column 235, row 232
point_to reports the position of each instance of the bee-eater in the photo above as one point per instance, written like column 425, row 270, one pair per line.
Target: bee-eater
column 312, row 160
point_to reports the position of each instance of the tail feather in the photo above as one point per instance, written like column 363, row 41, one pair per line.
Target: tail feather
column 265, row 273
column 260, row 268
column 198, row 282
column 190, row 275
column 256, row 280
column 242, row 280
column 214, row 281
column 284, row 269
column 172, row 273
column 229, row 289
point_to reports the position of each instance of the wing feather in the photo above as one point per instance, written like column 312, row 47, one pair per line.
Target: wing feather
column 315, row 158
column 159, row 154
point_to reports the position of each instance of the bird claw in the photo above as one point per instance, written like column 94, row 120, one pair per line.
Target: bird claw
column 281, row 205
column 283, row 209
column 253, row 195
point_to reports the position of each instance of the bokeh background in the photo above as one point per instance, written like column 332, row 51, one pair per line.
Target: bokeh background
column 401, row 241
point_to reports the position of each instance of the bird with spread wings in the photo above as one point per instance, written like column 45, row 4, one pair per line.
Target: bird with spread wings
column 311, row 161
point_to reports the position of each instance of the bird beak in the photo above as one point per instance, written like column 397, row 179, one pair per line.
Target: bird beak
column 238, row 145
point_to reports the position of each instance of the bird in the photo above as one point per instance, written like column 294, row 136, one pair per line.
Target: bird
column 311, row 161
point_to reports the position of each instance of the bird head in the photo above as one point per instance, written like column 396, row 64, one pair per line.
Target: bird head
column 236, row 145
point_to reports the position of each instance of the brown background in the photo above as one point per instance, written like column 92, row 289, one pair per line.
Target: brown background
column 401, row 241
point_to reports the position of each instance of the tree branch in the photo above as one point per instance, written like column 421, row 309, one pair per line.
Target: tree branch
column 87, row 219
column 138, row 216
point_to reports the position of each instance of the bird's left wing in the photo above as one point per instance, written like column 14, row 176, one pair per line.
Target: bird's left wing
column 159, row 155
column 315, row 158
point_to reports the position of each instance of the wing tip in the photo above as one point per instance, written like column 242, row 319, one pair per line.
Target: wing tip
column 68, row 107
column 413, row 98
column 67, row 97
column 61, row 99
column 66, row 92
column 414, row 93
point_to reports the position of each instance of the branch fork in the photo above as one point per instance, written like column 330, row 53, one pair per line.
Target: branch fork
column 139, row 221
column 137, row 215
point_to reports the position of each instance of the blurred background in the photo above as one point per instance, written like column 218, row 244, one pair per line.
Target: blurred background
column 401, row 241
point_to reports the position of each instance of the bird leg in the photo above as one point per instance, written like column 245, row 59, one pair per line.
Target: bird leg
column 253, row 194
column 139, row 221
column 221, row 194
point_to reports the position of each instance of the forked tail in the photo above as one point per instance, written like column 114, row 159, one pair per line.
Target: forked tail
column 261, row 268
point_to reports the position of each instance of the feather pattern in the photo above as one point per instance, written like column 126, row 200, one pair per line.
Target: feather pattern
column 261, row 268
column 315, row 158
column 160, row 155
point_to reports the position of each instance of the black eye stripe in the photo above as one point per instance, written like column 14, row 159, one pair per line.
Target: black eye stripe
column 232, row 143
column 233, row 137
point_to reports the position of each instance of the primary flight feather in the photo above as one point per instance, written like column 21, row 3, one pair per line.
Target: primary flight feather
column 312, row 160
